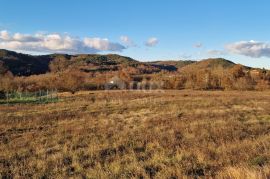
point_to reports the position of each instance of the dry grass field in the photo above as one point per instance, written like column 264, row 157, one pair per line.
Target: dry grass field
column 136, row 134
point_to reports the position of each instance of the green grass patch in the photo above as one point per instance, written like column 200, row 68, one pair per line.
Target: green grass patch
column 39, row 97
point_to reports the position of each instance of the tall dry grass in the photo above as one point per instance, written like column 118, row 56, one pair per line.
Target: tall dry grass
column 135, row 134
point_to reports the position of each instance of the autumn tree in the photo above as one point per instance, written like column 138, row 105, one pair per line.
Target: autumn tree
column 71, row 80
column 262, row 85
column 244, row 83
column 6, row 82
column 59, row 64
column 179, row 82
column 237, row 71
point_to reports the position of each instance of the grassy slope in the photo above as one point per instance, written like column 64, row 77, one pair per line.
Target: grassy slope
column 135, row 134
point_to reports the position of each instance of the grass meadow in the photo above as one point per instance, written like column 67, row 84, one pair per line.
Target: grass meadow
column 138, row 134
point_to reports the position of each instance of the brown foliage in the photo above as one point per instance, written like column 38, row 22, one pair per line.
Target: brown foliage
column 60, row 64
column 71, row 80
column 66, row 79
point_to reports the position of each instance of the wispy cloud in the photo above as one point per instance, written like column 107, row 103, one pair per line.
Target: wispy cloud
column 127, row 41
column 151, row 42
column 251, row 48
column 55, row 43
column 216, row 52
column 198, row 45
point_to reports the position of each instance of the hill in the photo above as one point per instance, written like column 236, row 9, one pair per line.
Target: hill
column 170, row 65
column 178, row 64
column 26, row 65
column 93, row 72
column 208, row 64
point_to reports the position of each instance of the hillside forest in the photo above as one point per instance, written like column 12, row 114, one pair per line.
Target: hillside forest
column 21, row 72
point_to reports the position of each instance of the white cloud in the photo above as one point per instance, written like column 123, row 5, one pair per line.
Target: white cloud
column 151, row 42
column 102, row 44
column 216, row 52
column 251, row 48
column 127, row 41
column 25, row 38
column 4, row 35
column 55, row 43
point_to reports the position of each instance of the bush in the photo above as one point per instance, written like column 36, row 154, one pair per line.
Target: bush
column 244, row 83
column 2, row 95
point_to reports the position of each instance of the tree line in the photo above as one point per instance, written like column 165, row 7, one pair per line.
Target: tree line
column 63, row 77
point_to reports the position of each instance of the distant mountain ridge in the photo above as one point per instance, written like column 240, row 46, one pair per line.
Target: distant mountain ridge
column 178, row 64
column 25, row 65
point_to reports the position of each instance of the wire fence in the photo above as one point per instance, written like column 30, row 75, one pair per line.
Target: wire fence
column 42, row 96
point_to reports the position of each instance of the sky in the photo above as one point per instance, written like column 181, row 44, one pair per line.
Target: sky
column 145, row 30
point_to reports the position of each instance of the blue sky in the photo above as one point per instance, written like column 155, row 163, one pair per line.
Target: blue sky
column 142, row 29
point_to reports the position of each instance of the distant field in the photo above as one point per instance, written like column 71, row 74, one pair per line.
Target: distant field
column 136, row 134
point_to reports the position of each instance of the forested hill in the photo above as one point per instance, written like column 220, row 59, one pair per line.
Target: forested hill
column 26, row 65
